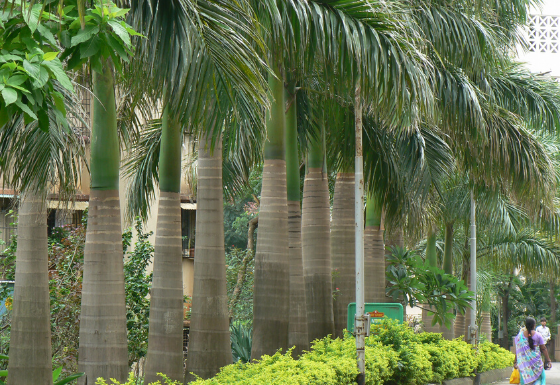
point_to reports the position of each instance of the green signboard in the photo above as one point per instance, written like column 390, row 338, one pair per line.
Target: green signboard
column 376, row 311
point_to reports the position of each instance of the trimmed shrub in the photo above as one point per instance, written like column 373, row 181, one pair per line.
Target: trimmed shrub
column 492, row 356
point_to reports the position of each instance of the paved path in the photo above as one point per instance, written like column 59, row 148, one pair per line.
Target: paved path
column 552, row 376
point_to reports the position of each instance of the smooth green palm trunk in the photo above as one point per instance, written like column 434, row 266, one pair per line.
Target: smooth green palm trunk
column 271, row 295
column 343, row 246
column 297, row 333
column 103, row 348
column 165, row 338
column 316, row 243
column 374, row 249
column 448, row 251
column 431, row 254
column 209, row 337
column 30, row 338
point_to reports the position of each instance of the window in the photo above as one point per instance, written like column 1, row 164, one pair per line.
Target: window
column 544, row 33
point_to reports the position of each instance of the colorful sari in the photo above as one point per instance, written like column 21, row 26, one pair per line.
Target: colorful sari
column 529, row 361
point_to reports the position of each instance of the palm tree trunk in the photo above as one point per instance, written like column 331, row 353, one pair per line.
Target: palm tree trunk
column 165, row 347
column 374, row 247
column 343, row 246
column 552, row 317
column 103, row 348
column 431, row 252
column 316, row 243
column 209, row 337
column 30, row 339
column 297, row 332
column 271, row 296
column 448, row 251
column 448, row 268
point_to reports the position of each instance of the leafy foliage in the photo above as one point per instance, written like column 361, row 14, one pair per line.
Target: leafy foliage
column 241, row 342
column 137, row 288
column 66, row 255
column 412, row 279
column 394, row 355
column 29, row 66
column 242, row 309
column 100, row 34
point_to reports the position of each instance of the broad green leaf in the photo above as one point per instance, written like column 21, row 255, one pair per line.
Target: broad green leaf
column 120, row 31
column 72, row 377
column 34, row 69
column 42, row 79
column 43, row 121
column 9, row 57
column 85, row 34
column 56, row 373
column 55, row 66
column 90, row 47
column 26, row 109
column 66, row 39
column 47, row 34
column 50, row 56
column 9, row 95
column 117, row 47
column 32, row 17
column 4, row 373
column 59, row 102
column 16, row 80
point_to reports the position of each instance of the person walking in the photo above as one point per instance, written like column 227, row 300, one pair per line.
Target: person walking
column 544, row 332
column 528, row 357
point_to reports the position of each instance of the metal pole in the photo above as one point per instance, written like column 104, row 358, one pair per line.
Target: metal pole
column 360, row 322
column 473, row 328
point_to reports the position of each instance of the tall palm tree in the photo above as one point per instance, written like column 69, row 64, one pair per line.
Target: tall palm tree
column 165, row 342
column 271, row 294
column 315, row 233
column 294, row 25
column 184, row 56
column 103, row 350
column 343, row 249
column 298, row 326
column 37, row 153
column 374, row 252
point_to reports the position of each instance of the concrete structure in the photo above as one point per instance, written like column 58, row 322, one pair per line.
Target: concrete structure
column 543, row 37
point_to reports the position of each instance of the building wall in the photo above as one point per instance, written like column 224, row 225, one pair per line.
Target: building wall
column 543, row 36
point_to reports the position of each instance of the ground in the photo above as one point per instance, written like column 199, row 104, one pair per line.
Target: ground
column 552, row 376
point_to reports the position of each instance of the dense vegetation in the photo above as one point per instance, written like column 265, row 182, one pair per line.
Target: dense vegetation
column 395, row 355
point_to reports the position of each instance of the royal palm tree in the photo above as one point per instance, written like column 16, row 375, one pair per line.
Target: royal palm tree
column 184, row 57
column 298, row 326
column 38, row 151
column 103, row 350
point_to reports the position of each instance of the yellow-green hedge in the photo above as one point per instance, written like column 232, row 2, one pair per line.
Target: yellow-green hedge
column 395, row 355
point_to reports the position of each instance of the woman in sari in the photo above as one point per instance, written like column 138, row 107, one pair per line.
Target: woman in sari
column 527, row 357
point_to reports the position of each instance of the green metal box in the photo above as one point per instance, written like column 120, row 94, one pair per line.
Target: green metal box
column 376, row 311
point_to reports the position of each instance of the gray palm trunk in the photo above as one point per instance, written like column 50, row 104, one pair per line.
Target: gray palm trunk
column 343, row 247
column 271, row 312
column 271, row 299
column 317, row 254
column 30, row 339
column 374, row 249
column 298, row 332
column 103, row 348
column 165, row 341
column 209, row 337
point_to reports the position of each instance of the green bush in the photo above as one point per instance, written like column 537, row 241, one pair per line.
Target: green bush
column 395, row 355
column 492, row 356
